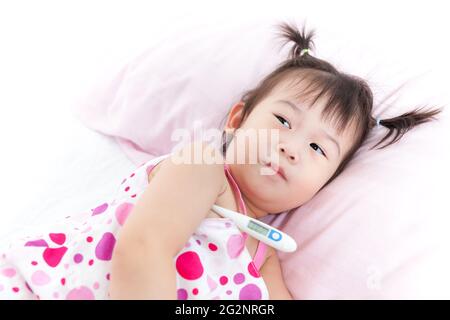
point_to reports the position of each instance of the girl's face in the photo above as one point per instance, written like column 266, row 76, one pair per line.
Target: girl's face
column 304, row 151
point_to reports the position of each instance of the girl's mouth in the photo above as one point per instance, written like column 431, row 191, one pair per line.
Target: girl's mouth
column 277, row 169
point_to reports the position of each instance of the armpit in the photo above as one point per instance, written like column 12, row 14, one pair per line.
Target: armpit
column 155, row 170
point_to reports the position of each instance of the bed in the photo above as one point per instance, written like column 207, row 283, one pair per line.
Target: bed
column 58, row 163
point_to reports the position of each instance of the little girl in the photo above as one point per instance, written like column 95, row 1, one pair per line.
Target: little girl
column 159, row 239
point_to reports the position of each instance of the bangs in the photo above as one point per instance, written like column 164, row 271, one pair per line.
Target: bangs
column 341, row 94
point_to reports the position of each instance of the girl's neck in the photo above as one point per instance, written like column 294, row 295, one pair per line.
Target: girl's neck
column 252, row 210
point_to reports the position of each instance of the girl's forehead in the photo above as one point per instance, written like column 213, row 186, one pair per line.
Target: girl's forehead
column 298, row 91
column 302, row 99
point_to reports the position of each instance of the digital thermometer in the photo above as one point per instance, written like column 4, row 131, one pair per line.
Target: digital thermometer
column 261, row 231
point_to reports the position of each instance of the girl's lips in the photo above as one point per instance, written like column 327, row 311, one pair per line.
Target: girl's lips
column 279, row 170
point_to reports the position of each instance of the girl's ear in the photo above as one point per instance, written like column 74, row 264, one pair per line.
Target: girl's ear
column 234, row 117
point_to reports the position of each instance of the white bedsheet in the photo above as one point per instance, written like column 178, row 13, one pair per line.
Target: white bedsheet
column 64, row 179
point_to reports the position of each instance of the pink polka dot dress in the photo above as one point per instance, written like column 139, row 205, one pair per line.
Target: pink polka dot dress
column 72, row 258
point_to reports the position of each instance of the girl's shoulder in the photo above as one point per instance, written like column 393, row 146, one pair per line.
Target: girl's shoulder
column 153, row 165
column 152, row 170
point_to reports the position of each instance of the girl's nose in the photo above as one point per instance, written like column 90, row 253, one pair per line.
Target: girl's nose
column 291, row 155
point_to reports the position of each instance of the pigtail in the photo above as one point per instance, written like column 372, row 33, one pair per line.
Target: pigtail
column 302, row 40
column 300, row 53
column 403, row 123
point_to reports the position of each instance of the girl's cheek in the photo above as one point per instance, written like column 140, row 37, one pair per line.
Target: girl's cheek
column 305, row 185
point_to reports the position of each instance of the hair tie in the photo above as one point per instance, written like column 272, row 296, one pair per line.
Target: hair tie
column 378, row 121
column 304, row 51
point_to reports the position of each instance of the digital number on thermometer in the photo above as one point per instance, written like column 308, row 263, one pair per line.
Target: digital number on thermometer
column 258, row 228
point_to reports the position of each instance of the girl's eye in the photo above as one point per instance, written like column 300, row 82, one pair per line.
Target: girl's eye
column 319, row 149
column 281, row 119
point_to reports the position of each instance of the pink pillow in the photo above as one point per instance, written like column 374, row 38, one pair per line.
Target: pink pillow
column 377, row 231
column 188, row 82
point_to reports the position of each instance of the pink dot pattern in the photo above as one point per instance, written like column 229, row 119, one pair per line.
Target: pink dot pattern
column 72, row 260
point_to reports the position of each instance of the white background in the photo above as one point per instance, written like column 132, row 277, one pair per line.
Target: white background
column 52, row 51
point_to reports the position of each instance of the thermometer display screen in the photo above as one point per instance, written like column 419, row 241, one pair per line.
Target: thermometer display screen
column 258, row 228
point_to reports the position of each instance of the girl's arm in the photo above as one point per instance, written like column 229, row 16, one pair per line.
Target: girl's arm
column 169, row 211
column 273, row 277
